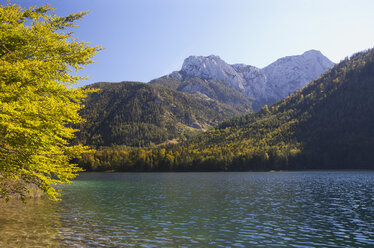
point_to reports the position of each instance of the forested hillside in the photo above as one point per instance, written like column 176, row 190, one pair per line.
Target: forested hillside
column 326, row 125
column 138, row 114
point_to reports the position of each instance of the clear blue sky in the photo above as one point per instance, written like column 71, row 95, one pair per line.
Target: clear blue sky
column 147, row 39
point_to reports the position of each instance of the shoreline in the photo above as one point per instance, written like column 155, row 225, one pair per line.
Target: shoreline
column 270, row 171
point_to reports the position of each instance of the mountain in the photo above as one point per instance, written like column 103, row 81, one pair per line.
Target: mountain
column 326, row 125
column 260, row 86
column 205, row 92
column 139, row 114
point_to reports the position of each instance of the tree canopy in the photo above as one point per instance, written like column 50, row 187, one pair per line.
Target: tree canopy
column 39, row 58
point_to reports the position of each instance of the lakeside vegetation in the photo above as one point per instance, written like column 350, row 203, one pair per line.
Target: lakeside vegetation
column 326, row 125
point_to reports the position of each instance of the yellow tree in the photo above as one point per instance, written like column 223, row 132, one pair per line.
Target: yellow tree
column 38, row 106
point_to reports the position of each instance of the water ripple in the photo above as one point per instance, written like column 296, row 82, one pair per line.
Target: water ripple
column 285, row 209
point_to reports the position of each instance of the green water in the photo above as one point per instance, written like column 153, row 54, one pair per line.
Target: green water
column 282, row 209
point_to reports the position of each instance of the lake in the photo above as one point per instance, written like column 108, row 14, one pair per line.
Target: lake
column 236, row 209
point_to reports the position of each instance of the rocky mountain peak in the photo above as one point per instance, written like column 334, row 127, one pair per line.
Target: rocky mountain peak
column 291, row 73
column 313, row 51
column 314, row 57
column 211, row 68
column 200, row 64
column 266, row 85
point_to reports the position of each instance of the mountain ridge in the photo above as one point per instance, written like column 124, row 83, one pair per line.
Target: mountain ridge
column 262, row 85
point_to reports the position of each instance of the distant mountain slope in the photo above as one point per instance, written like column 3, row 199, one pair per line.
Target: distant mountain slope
column 327, row 124
column 138, row 114
column 260, row 86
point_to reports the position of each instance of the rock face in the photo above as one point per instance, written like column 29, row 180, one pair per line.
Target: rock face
column 212, row 68
column 288, row 74
column 263, row 86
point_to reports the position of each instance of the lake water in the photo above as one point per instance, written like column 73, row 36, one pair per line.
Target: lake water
column 246, row 209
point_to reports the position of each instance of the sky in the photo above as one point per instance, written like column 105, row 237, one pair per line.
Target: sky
column 146, row 39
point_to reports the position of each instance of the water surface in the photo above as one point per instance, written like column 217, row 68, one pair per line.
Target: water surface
column 246, row 209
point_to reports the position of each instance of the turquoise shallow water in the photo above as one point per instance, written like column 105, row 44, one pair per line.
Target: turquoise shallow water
column 246, row 209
